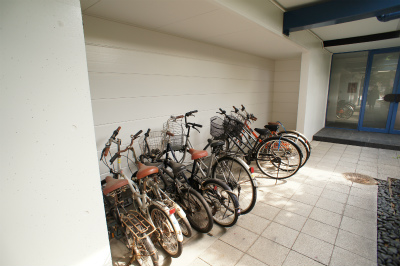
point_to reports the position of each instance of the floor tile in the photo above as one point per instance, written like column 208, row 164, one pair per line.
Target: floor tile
column 364, row 203
column 359, row 245
column 290, row 219
column 268, row 251
column 358, row 192
column 362, row 228
column 334, row 195
column 265, row 210
column 320, row 230
column 330, row 205
column 360, row 214
column 281, row 234
column 222, row 254
column 272, row 199
column 313, row 248
column 298, row 208
column 247, row 260
column 342, row 257
column 199, row 262
column 239, row 238
column 338, row 187
column 305, row 198
column 310, row 189
column 326, row 217
column 297, row 259
column 253, row 223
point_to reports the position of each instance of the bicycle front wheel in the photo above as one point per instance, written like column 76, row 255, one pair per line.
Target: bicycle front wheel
column 231, row 171
column 301, row 144
column 197, row 211
column 222, row 201
column 278, row 158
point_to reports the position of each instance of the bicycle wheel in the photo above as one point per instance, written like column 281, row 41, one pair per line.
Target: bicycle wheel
column 185, row 226
column 302, row 145
column 294, row 132
column 278, row 157
column 197, row 211
column 238, row 177
column 145, row 252
column 168, row 238
column 223, row 203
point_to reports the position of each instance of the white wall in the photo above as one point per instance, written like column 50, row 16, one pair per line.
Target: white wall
column 50, row 197
column 314, row 82
column 138, row 78
column 286, row 91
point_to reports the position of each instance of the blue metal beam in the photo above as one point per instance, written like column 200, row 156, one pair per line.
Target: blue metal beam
column 335, row 12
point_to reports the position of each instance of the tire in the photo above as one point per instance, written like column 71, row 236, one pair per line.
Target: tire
column 168, row 238
column 145, row 252
column 223, row 203
column 236, row 175
column 278, row 158
column 301, row 144
column 185, row 226
column 294, row 132
column 197, row 211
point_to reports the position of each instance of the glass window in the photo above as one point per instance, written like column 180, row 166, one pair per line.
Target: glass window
column 345, row 89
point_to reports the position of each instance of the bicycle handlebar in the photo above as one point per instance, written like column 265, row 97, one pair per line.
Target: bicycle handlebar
column 243, row 107
column 236, row 110
column 194, row 125
column 191, row 113
column 105, row 151
column 147, row 133
column 138, row 133
column 222, row 111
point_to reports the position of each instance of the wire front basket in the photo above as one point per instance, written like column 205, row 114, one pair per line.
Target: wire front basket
column 176, row 128
column 155, row 143
column 233, row 126
column 217, row 129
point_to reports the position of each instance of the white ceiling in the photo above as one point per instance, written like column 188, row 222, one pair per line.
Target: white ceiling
column 209, row 22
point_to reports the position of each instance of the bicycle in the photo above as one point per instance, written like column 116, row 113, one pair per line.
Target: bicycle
column 300, row 140
column 222, row 201
column 196, row 208
column 276, row 157
column 169, row 234
column 136, row 230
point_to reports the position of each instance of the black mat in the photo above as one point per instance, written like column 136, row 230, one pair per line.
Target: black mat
column 359, row 138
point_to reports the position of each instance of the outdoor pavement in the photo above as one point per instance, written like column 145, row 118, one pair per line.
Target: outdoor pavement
column 316, row 217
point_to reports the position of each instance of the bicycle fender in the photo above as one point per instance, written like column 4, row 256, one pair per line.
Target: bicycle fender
column 181, row 213
column 172, row 217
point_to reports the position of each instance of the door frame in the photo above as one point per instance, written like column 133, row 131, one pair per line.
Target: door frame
column 396, row 89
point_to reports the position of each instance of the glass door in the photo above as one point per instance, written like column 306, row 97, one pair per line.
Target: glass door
column 382, row 78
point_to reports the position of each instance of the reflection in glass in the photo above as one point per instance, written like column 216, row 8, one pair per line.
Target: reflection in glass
column 383, row 71
column 345, row 89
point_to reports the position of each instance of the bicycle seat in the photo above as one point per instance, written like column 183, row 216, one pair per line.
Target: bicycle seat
column 216, row 143
column 262, row 131
column 176, row 167
column 197, row 154
column 113, row 184
column 145, row 170
column 272, row 127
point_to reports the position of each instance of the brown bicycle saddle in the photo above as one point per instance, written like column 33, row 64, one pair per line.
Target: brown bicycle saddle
column 113, row 184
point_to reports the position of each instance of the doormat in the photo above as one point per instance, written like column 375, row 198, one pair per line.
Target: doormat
column 360, row 178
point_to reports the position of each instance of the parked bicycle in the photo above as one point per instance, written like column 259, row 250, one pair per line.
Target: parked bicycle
column 276, row 157
column 169, row 234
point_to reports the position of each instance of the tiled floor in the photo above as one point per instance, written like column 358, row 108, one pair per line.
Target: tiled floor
column 313, row 218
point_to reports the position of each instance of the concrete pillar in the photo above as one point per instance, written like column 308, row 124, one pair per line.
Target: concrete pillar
column 50, row 197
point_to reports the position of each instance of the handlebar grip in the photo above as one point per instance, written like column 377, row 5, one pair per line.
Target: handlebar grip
column 170, row 134
column 198, row 125
column 190, row 113
column 179, row 116
column 236, row 110
column 115, row 133
column 137, row 134
column 115, row 156
column 147, row 133
column 106, row 150
column 222, row 111
column 243, row 107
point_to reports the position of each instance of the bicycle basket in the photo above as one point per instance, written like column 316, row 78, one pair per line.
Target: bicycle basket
column 176, row 128
column 233, row 126
column 155, row 142
column 217, row 129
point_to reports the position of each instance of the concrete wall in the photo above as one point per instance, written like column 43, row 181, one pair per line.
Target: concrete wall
column 51, row 202
column 138, row 78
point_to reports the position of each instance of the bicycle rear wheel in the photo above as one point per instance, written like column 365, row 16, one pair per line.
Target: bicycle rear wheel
column 197, row 211
column 145, row 252
column 168, row 238
column 296, row 133
column 301, row 144
column 278, row 158
column 222, row 201
column 231, row 171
